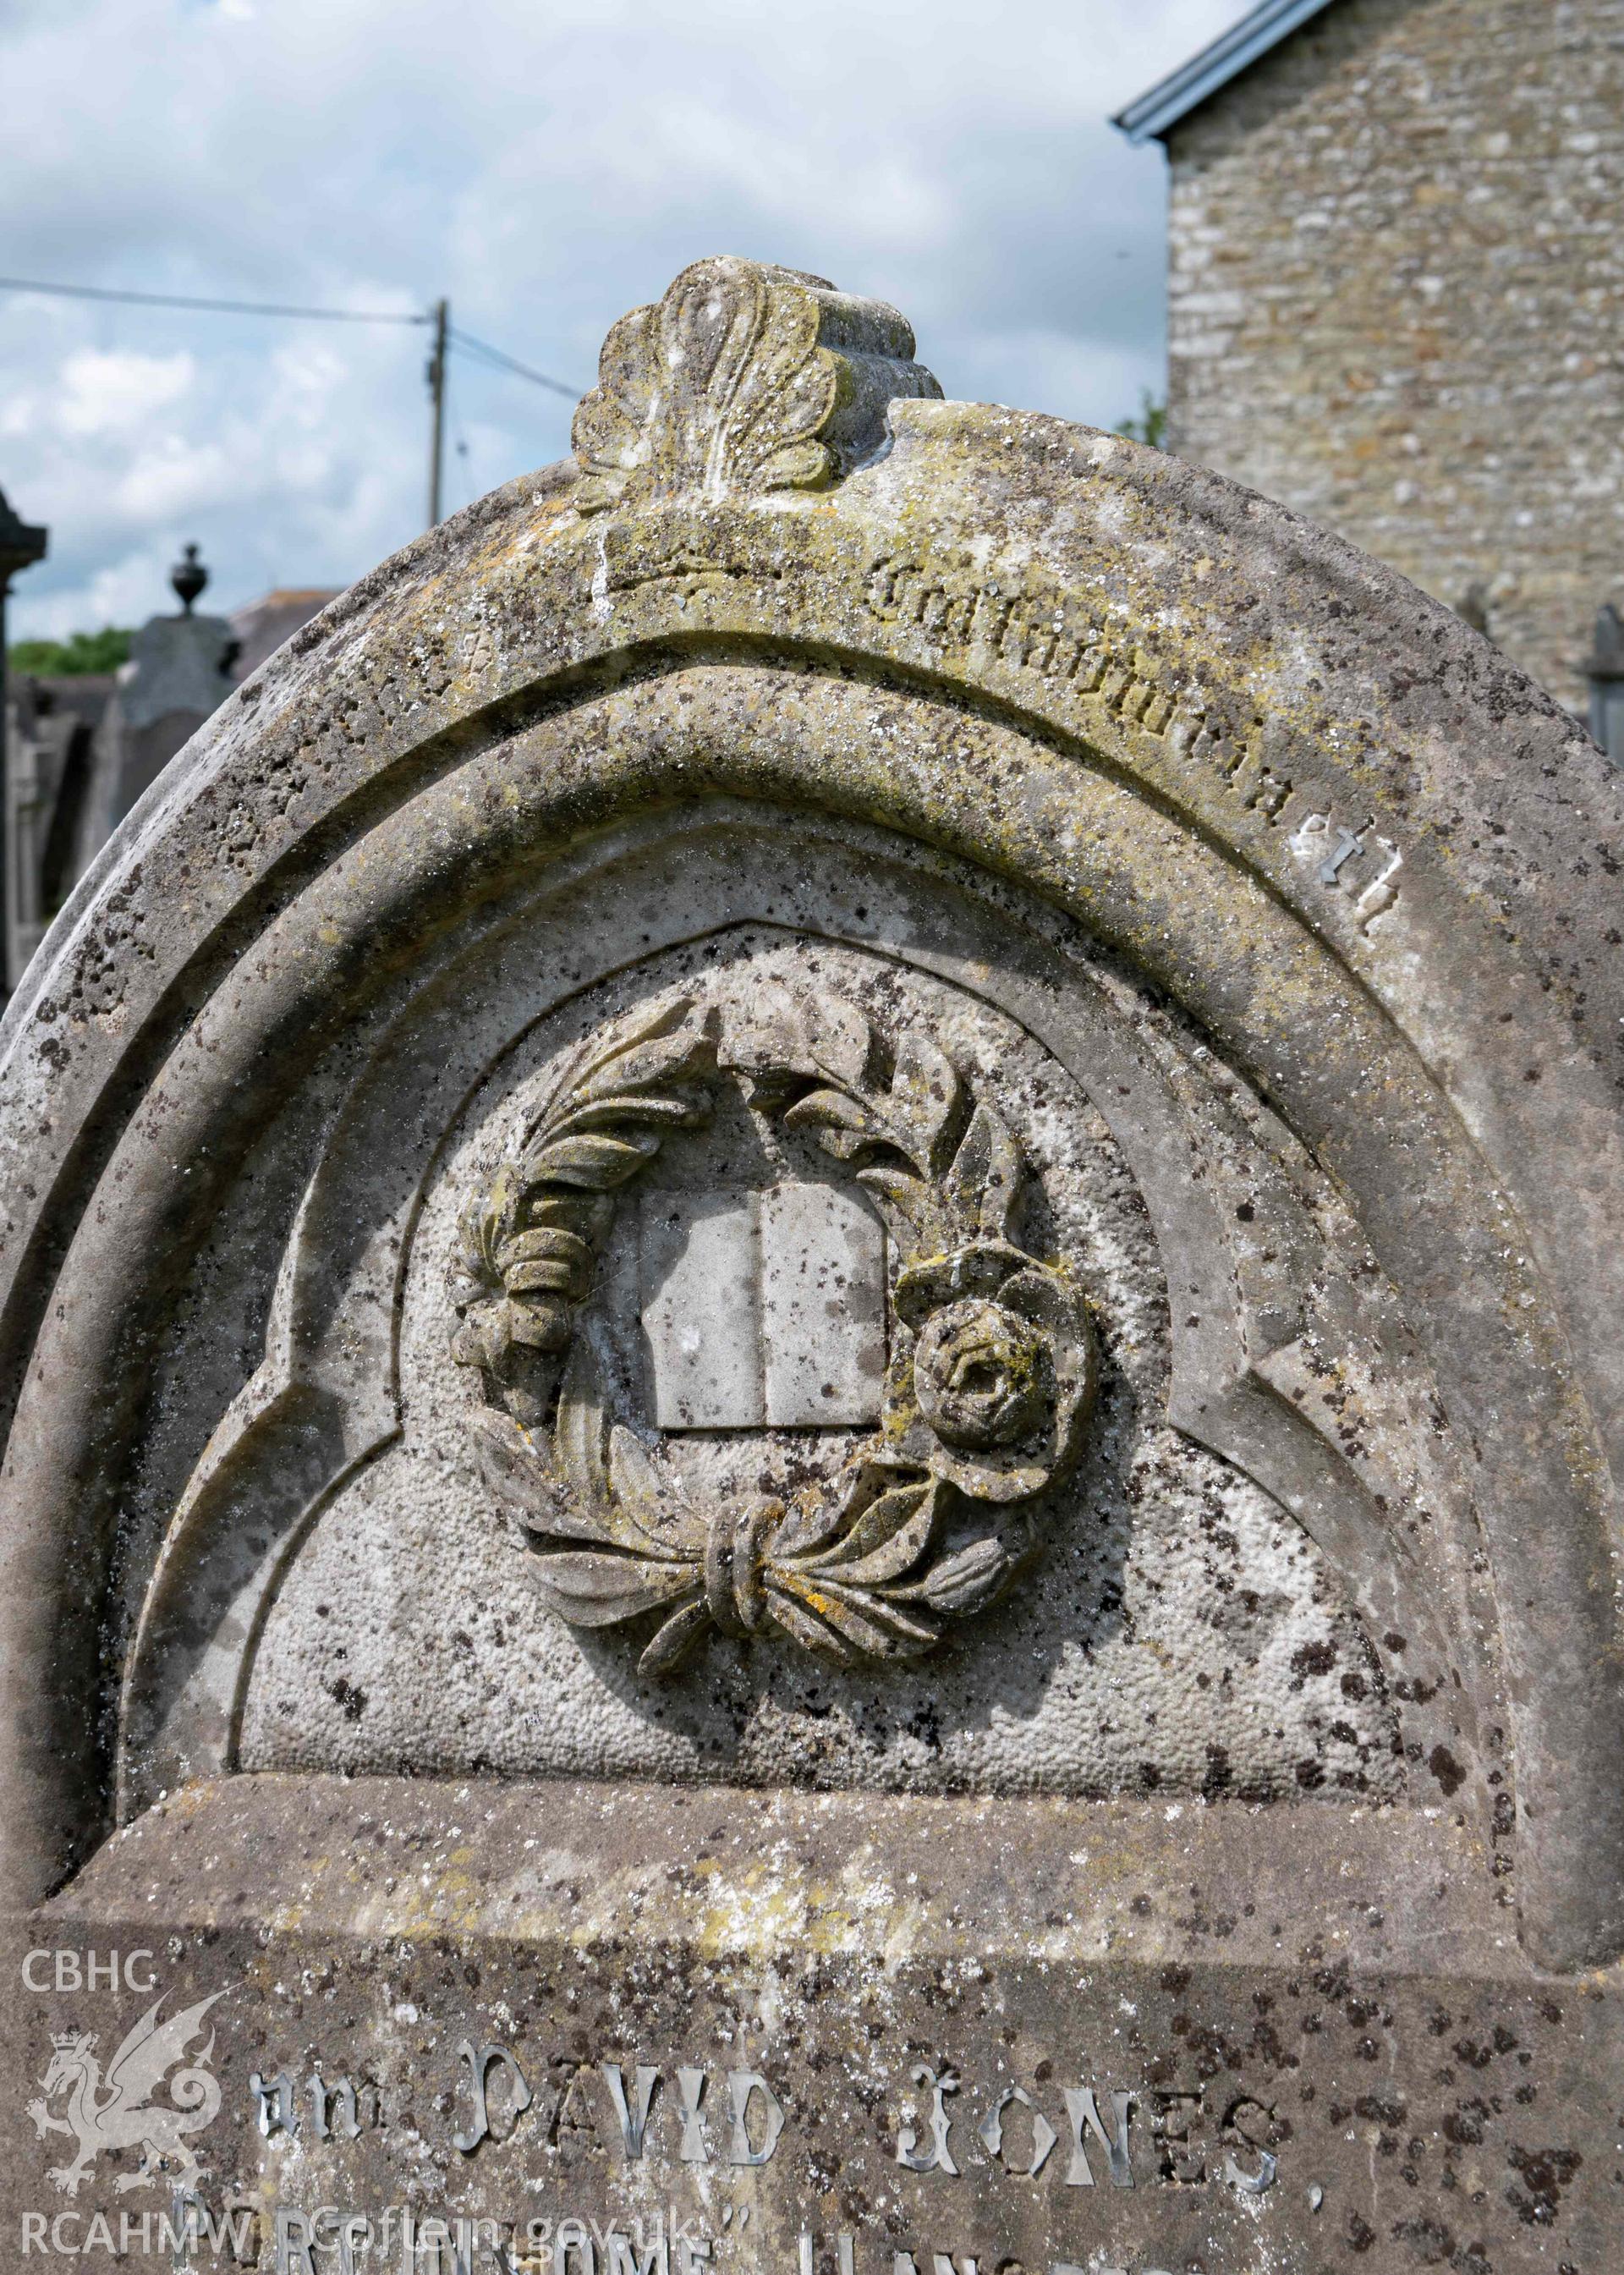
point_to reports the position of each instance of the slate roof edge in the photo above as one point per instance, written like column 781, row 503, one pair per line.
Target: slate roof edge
column 1153, row 113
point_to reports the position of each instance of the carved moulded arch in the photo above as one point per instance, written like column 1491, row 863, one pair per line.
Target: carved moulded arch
column 329, row 1395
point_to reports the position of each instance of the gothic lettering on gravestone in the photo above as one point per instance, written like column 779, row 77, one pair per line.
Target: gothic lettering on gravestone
column 1083, row 2109
column 631, row 2110
column 769, row 1310
column 936, row 2155
column 481, row 2060
column 339, row 2110
column 991, row 2130
column 748, row 2092
column 273, row 2099
column 755, row 2117
column 690, row 2094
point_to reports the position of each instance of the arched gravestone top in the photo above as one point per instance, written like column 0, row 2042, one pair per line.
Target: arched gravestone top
column 861, row 1095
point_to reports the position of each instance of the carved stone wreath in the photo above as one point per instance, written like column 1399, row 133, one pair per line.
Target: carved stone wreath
column 990, row 1382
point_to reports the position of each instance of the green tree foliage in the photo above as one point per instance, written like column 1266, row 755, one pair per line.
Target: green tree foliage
column 1151, row 425
column 81, row 652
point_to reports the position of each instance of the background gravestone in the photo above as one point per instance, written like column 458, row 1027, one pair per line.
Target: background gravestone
column 810, row 1330
column 178, row 674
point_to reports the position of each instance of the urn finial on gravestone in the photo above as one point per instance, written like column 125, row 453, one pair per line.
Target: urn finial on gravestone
column 188, row 577
column 744, row 379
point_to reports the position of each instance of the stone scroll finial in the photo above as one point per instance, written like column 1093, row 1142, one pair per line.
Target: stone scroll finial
column 744, row 379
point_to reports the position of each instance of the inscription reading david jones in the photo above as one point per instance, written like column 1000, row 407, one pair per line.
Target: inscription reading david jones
column 1115, row 2136
column 1104, row 2136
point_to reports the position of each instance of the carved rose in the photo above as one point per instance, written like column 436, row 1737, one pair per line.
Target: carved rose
column 1000, row 1378
column 980, row 1373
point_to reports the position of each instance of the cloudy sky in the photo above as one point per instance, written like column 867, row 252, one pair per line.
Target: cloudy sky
column 546, row 165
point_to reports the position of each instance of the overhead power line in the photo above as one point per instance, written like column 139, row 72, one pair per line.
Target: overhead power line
column 505, row 362
column 445, row 336
column 215, row 307
column 498, row 357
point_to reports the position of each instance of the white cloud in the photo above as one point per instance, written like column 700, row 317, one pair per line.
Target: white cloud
column 173, row 477
column 118, row 391
column 546, row 167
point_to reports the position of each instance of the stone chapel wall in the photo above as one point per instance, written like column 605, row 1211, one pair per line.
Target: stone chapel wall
column 1395, row 293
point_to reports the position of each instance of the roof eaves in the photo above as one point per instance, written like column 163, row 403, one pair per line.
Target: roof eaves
column 1173, row 97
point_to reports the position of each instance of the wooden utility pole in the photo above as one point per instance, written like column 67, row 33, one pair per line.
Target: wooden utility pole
column 436, row 393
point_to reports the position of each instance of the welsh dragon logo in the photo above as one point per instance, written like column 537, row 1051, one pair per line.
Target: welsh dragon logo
column 115, row 2112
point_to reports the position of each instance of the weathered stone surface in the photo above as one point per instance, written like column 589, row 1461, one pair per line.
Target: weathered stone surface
column 809, row 1288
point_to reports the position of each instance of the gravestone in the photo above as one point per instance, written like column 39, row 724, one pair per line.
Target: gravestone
column 178, row 676
column 811, row 1293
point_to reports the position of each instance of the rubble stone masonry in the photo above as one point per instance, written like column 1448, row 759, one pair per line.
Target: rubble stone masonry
column 1397, row 300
